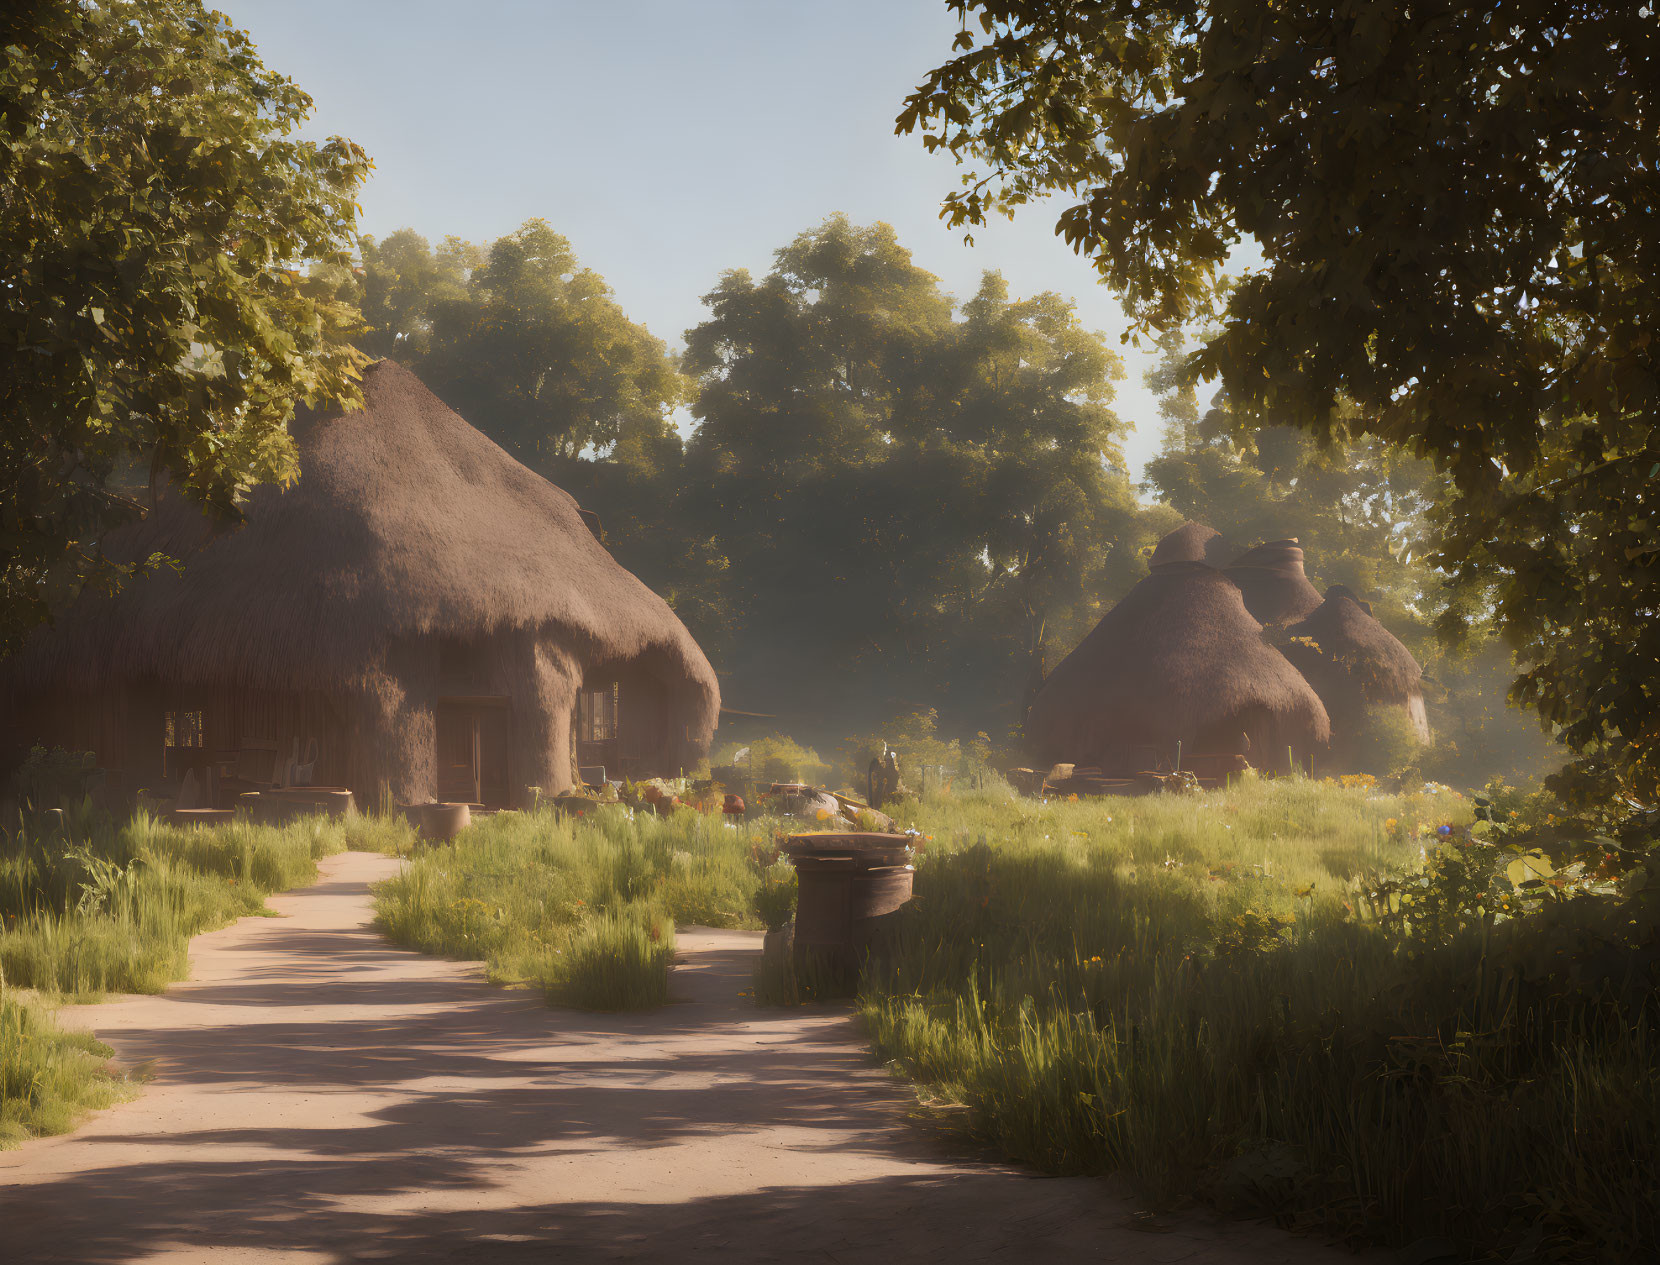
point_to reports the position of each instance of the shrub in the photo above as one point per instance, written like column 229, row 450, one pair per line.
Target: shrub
column 49, row 1078
column 775, row 758
column 49, row 778
column 774, row 899
column 614, row 961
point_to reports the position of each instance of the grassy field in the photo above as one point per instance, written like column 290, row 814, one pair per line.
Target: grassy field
column 583, row 908
column 1317, row 1001
column 1358, row 1012
column 1294, row 998
column 112, row 909
column 49, row 1078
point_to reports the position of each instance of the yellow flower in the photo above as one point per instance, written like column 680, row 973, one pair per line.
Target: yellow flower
column 1390, row 824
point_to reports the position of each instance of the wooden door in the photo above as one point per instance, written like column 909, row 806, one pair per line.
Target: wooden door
column 473, row 743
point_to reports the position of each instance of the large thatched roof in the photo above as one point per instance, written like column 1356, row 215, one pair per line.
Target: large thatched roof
column 1342, row 631
column 405, row 521
column 1191, row 542
column 1177, row 656
column 1275, row 586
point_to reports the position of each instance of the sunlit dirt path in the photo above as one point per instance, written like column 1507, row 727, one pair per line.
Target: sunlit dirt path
column 319, row 1095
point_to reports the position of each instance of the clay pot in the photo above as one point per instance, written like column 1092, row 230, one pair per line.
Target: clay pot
column 444, row 821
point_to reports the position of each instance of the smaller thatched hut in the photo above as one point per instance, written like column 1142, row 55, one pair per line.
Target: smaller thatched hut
column 1178, row 661
column 1191, row 542
column 1354, row 663
column 1275, row 586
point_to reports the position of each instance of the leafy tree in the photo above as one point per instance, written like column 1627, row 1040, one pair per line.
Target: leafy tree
column 534, row 347
column 1360, row 507
column 404, row 280
column 1458, row 206
column 1036, row 439
column 156, row 209
column 915, row 503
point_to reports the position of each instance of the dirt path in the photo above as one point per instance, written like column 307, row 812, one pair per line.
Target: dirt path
column 322, row 1096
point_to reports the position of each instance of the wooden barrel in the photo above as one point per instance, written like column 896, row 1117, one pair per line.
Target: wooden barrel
column 850, row 884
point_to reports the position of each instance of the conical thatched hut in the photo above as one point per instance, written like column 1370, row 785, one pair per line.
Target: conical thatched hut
column 419, row 617
column 1178, row 660
column 1191, row 542
column 1275, row 586
column 1354, row 662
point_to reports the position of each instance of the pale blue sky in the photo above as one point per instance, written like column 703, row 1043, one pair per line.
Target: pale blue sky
column 668, row 139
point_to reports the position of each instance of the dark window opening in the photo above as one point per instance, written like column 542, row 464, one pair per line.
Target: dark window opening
column 597, row 714
column 182, row 741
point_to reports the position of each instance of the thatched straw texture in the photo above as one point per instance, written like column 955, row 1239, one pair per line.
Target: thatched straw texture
column 407, row 526
column 1191, row 542
column 1352, row 660
column 1179, row 659
column 1275, row 586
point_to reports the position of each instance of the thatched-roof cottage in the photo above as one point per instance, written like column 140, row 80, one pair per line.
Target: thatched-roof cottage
column 1191, row 542
column 1354, row 662
column 1275, row 586
column 1179, row 659
column 419, row 617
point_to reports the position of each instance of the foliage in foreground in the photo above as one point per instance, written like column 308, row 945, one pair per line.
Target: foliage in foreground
column 159, row 203
column 1481, row 289
column 49, row 1078
column 1274, row 999
column 113, row 909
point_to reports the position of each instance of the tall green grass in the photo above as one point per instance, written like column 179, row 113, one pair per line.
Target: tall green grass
column 613, row 961
column 113, row 909
column 49, row 1078
column 105, row 908
column 1192, row 991
column 1276, row 998
column 583, row 907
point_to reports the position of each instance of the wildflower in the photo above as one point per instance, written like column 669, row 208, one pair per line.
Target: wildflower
column 1390, row 824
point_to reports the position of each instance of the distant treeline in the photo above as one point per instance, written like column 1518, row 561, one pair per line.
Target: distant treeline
column 888, row 501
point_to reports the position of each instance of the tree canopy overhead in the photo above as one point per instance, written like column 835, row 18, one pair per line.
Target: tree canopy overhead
column 1458, row 207
column 170, row 260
